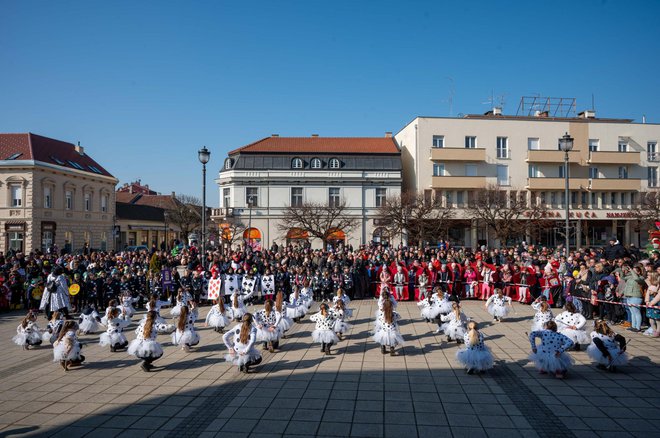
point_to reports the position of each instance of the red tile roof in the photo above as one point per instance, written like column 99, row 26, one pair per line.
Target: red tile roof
column 161, row 201
column 48, row 150
column 126, row 197
column 322, row 145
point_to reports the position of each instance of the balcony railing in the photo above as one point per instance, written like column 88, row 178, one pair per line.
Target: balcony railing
column 458, row 154
column 613, row 157
column 458, row 182
column 222, row 212
column 551, row 156
column 544, row 183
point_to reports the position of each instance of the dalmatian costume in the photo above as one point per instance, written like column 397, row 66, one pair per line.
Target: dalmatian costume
column 113, row 335
column 347, row 312
column 340, row 327
column 127, row 305
column 163, row 326
column 267, row 324
column 237, row 313
column 428, row 309
column 540, row 318
column 68, row 348
column 323, row 332
column 52, row 331
column 545, row 358
column 475, row 357
column 89, row 322
column 498, row 307
column 146, row 348
column 181, row 300
column 296, row 307
column 28, row 335
column 565, row 320
column 614, row 345
column 443, row 302
column 216, row 319
column 388, row 334
column 241, row 354
column 455, row 327
column 188, row 337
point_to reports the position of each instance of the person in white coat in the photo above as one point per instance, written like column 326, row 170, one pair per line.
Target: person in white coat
column 570, row 323
column 56, row 294
column 240, row 342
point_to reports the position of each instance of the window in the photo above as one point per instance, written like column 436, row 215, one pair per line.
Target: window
column 296, row 196
column 574, row 198
column 542, row 198
column 561, row 173
column 104, row 241
column 381, row 194
column 333, row 197
column 613, row 199
column 228, row 163
column 652, row 151
column 623, row 172
column 46, row 240
column 470, row 170
column 593, row 144
column 583, row 199
column 533, row 171
column 553, row 199
column 593, row 172
column 68, row 200
column 438, row 169
column 226, row 197
column 297, row 163
column 502, row 175
column 603, row 199
column 15, row 240
column 252, row 196
column 316, row 163
column 633, row 199
column 594, row 200
column 438, row 141
column 471, row 198
column 460, row 200
column 623, row 146
column 653, row 176
column 104, row 203
column 470, row 142
column 502, row 147
column 334, row 163
column 16, row 196
column 533, row 144
column 623, row 199
column 449, row 197
column 48, row 197
column 88, row 202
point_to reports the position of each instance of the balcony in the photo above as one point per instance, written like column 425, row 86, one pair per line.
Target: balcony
column 614, row 157
column 615, row 184
column 552, row 156
column 458, row 154
column 543, row 183
column 222, row 212
column 458, row 182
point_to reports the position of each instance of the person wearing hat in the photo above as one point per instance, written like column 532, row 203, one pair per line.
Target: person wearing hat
column 615, row 250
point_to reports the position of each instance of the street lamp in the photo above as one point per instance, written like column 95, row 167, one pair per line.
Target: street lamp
column 566, row 145
column 250, row 203
column 204, row 156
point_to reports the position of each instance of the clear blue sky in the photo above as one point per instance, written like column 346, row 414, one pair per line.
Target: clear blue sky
column 144, row 84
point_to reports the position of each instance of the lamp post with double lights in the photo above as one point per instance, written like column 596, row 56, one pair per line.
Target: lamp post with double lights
column 250, row 204
column 566, row 145
column 204, row 156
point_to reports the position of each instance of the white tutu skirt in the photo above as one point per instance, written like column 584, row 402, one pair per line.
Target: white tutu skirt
column 242, row 359
column 348, row 313
column 618, row 358
column 265, row 335
column 164, row 328
column 431, row 312
column 341, row 327
column 444, row 307
column 188, row 337
column 59, row 352
column 114, row 339
column 33, row 338
column 296, row 312
column 285, row 324
column 129, row 311
column 89, row 326
column 146, row 349
column 324, row 336
column 577, row 336
column 476, row 359
column 236, row 313
column 537, row 326
column 175, row 311
column 498, row 311
column 48, row 337
column 218, row 321
column 388, row 338
column 550, row 363
column 308, row 305
column 454, row 331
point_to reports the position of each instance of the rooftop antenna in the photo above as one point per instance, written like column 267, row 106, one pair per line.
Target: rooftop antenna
column 593, row 102
column 450, row 99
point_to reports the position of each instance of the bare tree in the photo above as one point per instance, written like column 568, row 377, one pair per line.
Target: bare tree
column 647, row 212
column 320, row 220
column 231, row 232
column 186, row 213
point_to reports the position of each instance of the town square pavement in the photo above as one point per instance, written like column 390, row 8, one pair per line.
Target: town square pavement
column 356, row 391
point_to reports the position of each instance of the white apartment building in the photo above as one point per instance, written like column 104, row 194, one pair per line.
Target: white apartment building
column 613, row 163
column 276, row 172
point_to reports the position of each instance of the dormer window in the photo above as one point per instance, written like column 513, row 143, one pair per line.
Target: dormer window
column 297, row 163
column 228, row 163
column 316, row 163
column 334, row 163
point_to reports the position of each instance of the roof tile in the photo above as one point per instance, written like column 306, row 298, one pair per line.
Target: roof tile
column 322, row 145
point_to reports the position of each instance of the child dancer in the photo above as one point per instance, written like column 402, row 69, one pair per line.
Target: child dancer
column 388, row 334
column 429, row 310
column 607, row 348
column 185, row 335
column 543, row 313
column 127, row 304
column 240, row 343
column 27, row 332
column 183, row 297
column 338, row 312
column 53, row 330
column 307, row 295
column 476, row 356
column 341, row 296
column 145, row 346
column 570, row 323
column 498, row 305
column 66, row 349
column 455, row 327
column 238, row 309
column 296, row 308
column 550, row 356
column 112, row 304
column 442, row 301
column 267, row 321
column 285, row 322
column 89, row 321
column 155, row 304
column 216, row 317
column 323, row 332
column 113, row 336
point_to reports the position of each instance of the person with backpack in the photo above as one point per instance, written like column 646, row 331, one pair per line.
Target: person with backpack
column 56, row 294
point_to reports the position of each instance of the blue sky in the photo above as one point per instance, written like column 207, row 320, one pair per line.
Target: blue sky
column 144, row 84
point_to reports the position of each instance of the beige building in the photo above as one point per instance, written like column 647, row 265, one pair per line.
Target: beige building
column 613, row 163
column 53, row 193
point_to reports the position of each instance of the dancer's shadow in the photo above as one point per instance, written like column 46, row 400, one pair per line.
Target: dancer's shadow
column 280, row 365
column 197, row 362
column 19, row 431
column 519, row 319
column 110, row 364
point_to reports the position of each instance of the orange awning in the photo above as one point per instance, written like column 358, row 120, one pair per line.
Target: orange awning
column 225, row 231
column 297, row 233
column 252, row 233
column 336, row 234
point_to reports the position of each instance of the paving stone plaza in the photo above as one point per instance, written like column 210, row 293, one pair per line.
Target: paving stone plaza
column 356, row 391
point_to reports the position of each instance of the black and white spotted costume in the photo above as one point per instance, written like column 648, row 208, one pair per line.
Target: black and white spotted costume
column 238, row 312
column 181, row 300
column 267, row 325
column 340, row 326
column 52, row 330
column 540, row 318
column 388, row 334
column 612, row 344
column 146, row 348
column 454, row 327
column 67, row 348
column 498, row 307
column 323, row 333
column 216, row 319
column 296, row 307
column 162, row 324
column 113, row 335
column 545, row 357
column 243, row 353
column 127, row 305
column 28, row 335
column 475, row 356
column 90, row 322
column 566, row 319
column 188, row 337
column 347, row 312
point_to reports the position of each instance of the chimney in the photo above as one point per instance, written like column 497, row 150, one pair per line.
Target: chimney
column 174, row 194
column 315, row 135
column 388, row 134
column 587, row 114
column 274, row 135
column 79, row 149
column 497, row 111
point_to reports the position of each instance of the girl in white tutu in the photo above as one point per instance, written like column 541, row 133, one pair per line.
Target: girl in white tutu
column 543, row 313
column 154, row 304
column 267, row 320
column 27, row 332
column 66, row 349
column 323, row 332
column 89, row 321
column 340, row 326
column 475, row 356
column 607, row 348
column 216, row 317
column 455, row 327
column 112, row 304
column 240, row 343
column 388, row 334
column 341, row 296
column 238, row 309
column 183, row 298
column 296, row 308
column 442, row 301
column 384, row 297
column 145, row 346
column 53, row 329
column 185, row 335
column 113, row 336
column 570, row 323
column 498, row 305
column 550, row 356
column 307, row 295
column 127, row 304
column 428, row 309
column 285, row 322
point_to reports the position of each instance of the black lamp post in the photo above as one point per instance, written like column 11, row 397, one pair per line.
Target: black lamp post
column 204, row 156
column 566, row 145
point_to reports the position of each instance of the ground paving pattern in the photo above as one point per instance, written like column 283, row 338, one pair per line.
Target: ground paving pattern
column 354, row 392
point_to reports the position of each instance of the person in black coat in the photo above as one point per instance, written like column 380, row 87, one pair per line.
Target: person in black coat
column 615, row 250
